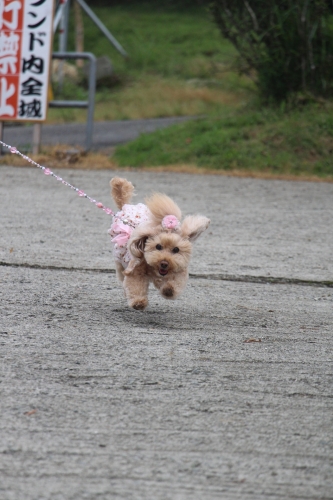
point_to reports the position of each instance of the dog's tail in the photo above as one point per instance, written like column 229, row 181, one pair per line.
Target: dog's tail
column 121, row 191
column 161, row 205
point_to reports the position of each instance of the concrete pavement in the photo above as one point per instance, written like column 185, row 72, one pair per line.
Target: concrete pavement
column 99, row 401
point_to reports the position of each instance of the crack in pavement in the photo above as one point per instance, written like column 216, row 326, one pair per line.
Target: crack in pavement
column 213, row 277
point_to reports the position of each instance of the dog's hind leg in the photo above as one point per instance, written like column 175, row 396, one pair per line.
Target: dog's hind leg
column 121, row 191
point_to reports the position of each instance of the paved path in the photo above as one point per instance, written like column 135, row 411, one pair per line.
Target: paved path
column 98, row 401
column 105, row 134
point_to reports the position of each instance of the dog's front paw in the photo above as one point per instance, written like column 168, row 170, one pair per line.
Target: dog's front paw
column 139, row 304
column 168, row 292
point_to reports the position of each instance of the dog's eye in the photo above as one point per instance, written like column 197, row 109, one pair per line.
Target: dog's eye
column 175, row 250
column 158, row 247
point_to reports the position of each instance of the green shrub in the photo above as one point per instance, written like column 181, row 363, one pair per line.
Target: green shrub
column 289, row 43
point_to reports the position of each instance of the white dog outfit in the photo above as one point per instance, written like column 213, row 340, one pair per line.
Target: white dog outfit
column 124, row 223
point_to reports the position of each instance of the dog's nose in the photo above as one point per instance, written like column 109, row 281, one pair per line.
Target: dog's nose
column 164, row 264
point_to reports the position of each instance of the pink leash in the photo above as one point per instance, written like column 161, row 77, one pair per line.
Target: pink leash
column 47, row 171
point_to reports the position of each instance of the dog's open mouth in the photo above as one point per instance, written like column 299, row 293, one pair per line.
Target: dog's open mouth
column 163, row 272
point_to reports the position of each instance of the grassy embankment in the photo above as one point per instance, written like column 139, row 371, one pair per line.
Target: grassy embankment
column 180, row 65
column 262, row 143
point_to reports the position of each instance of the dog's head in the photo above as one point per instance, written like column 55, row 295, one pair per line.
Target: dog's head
column 165, row 244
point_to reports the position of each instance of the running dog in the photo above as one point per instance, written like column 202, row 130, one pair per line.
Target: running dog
column 151, row 244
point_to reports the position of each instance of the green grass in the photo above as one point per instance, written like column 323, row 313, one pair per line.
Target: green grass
column 298, row 142
column 178, row 65
column 158, row 41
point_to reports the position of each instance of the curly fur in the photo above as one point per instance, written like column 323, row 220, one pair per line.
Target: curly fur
column 158, row 256
column 121, row 190
column 161, row 205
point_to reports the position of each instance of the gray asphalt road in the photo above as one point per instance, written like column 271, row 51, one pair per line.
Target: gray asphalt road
column 99, row 401
column 105, row 134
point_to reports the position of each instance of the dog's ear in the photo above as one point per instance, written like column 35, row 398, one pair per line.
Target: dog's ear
column 137, row 241
column 193, row 226
column 136, row 246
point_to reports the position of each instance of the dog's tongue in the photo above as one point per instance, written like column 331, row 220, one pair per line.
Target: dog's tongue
column 163, row 272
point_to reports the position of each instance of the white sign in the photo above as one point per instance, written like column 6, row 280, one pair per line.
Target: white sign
column 25, row 54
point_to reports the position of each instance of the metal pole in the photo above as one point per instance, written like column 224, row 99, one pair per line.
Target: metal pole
column 103, row 28
column 57, row 17
column 91, row 98
column 2, row 126
column 63, row 28
column 36, row 138
column 91, row 93
column 63, row 34
column 66, row 20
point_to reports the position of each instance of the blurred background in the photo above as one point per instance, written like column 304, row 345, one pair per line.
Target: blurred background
column 257, row 75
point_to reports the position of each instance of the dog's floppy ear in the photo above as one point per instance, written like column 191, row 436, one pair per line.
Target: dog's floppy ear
column 136, row 246
column 137, row 241
column 193, row 226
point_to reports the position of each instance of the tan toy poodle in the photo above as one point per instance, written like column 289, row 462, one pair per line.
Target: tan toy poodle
column 150, row 244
